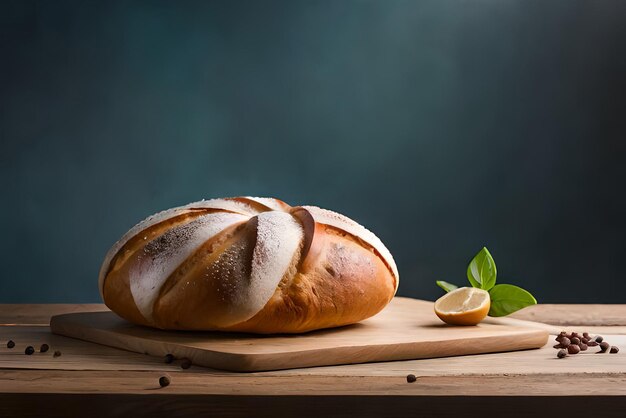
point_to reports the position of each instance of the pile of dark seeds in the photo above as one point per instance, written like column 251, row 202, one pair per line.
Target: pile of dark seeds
column 574, row 343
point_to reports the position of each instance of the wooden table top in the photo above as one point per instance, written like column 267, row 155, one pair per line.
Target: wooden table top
column 101, row 381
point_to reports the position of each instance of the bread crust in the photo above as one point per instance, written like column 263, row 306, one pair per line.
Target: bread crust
column 333, row 278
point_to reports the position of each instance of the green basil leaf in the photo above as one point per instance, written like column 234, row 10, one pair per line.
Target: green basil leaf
column 506, row 299
column 448, row 287
column 481, row 271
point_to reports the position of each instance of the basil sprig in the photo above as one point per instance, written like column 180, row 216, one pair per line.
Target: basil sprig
column 505, row 298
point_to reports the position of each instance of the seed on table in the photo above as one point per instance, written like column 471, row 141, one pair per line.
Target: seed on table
column 169, row 358
column 164, row 381
column 29, row 350
column 592, row 343
column 565, row 342
column 561, row 353
column 575, row 340
column 557, row 346
column 57, row 354
column 599, row 339
column 574, row 335
column 411, row 378
column 583, row 347
column 185, row 363
column 586, row 335
column 10, row 344
column 584, row 340
column 614, row 350
column 44, row 348
column 573, row 349
column 604, row 346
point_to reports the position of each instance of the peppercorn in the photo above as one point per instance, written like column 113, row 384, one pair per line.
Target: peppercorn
column 561, row 353
column 10, row 344
column 592, row 343
column 565, row 342
column 575, row 340
column 169, row 358
column 164, row 381
column 584, row 340
column 57, row 354
column 583, row 347
column 574, row 335
column 573, row 349
column 599, row 339
column 586, row 335
column 29, row 350
column 411, row 378
column 44, row 348
column 604, row 346
column 614, row 350
column 185, row 363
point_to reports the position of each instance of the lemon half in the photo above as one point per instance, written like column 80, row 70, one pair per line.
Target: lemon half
column 463, row 306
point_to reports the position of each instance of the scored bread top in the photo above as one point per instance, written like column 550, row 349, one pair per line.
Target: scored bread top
column 280, row 237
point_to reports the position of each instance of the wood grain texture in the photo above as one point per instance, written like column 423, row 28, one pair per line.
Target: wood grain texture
column 182, row 382
column 81, row 355
column 39, row 314
column 405, row 329
column 576, row 315
column 95, row 380
column 591, row 315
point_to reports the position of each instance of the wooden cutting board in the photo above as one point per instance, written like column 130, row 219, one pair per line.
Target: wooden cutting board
column 406, row 329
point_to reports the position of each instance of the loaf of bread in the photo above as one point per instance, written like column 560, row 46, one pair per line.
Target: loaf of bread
column 250, row 265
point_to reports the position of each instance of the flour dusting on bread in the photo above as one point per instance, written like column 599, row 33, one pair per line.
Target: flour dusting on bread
column 252, row 278
column 279, row 239
column 164, row 254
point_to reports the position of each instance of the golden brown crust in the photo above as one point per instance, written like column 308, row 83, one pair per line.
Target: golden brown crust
column 334, row 279
column 340, row 283
column 116, row 288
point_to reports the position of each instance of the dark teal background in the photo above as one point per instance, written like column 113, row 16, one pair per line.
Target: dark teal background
column 440, row 125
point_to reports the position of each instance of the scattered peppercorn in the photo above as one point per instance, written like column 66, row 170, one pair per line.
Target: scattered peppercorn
column 164, row 381
column 574, row 342
column 10, row 344
column 169, row 358
column 44, row 348
column 411, row 378
column 57, row 354
column 185, row 363
column 29, row 350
